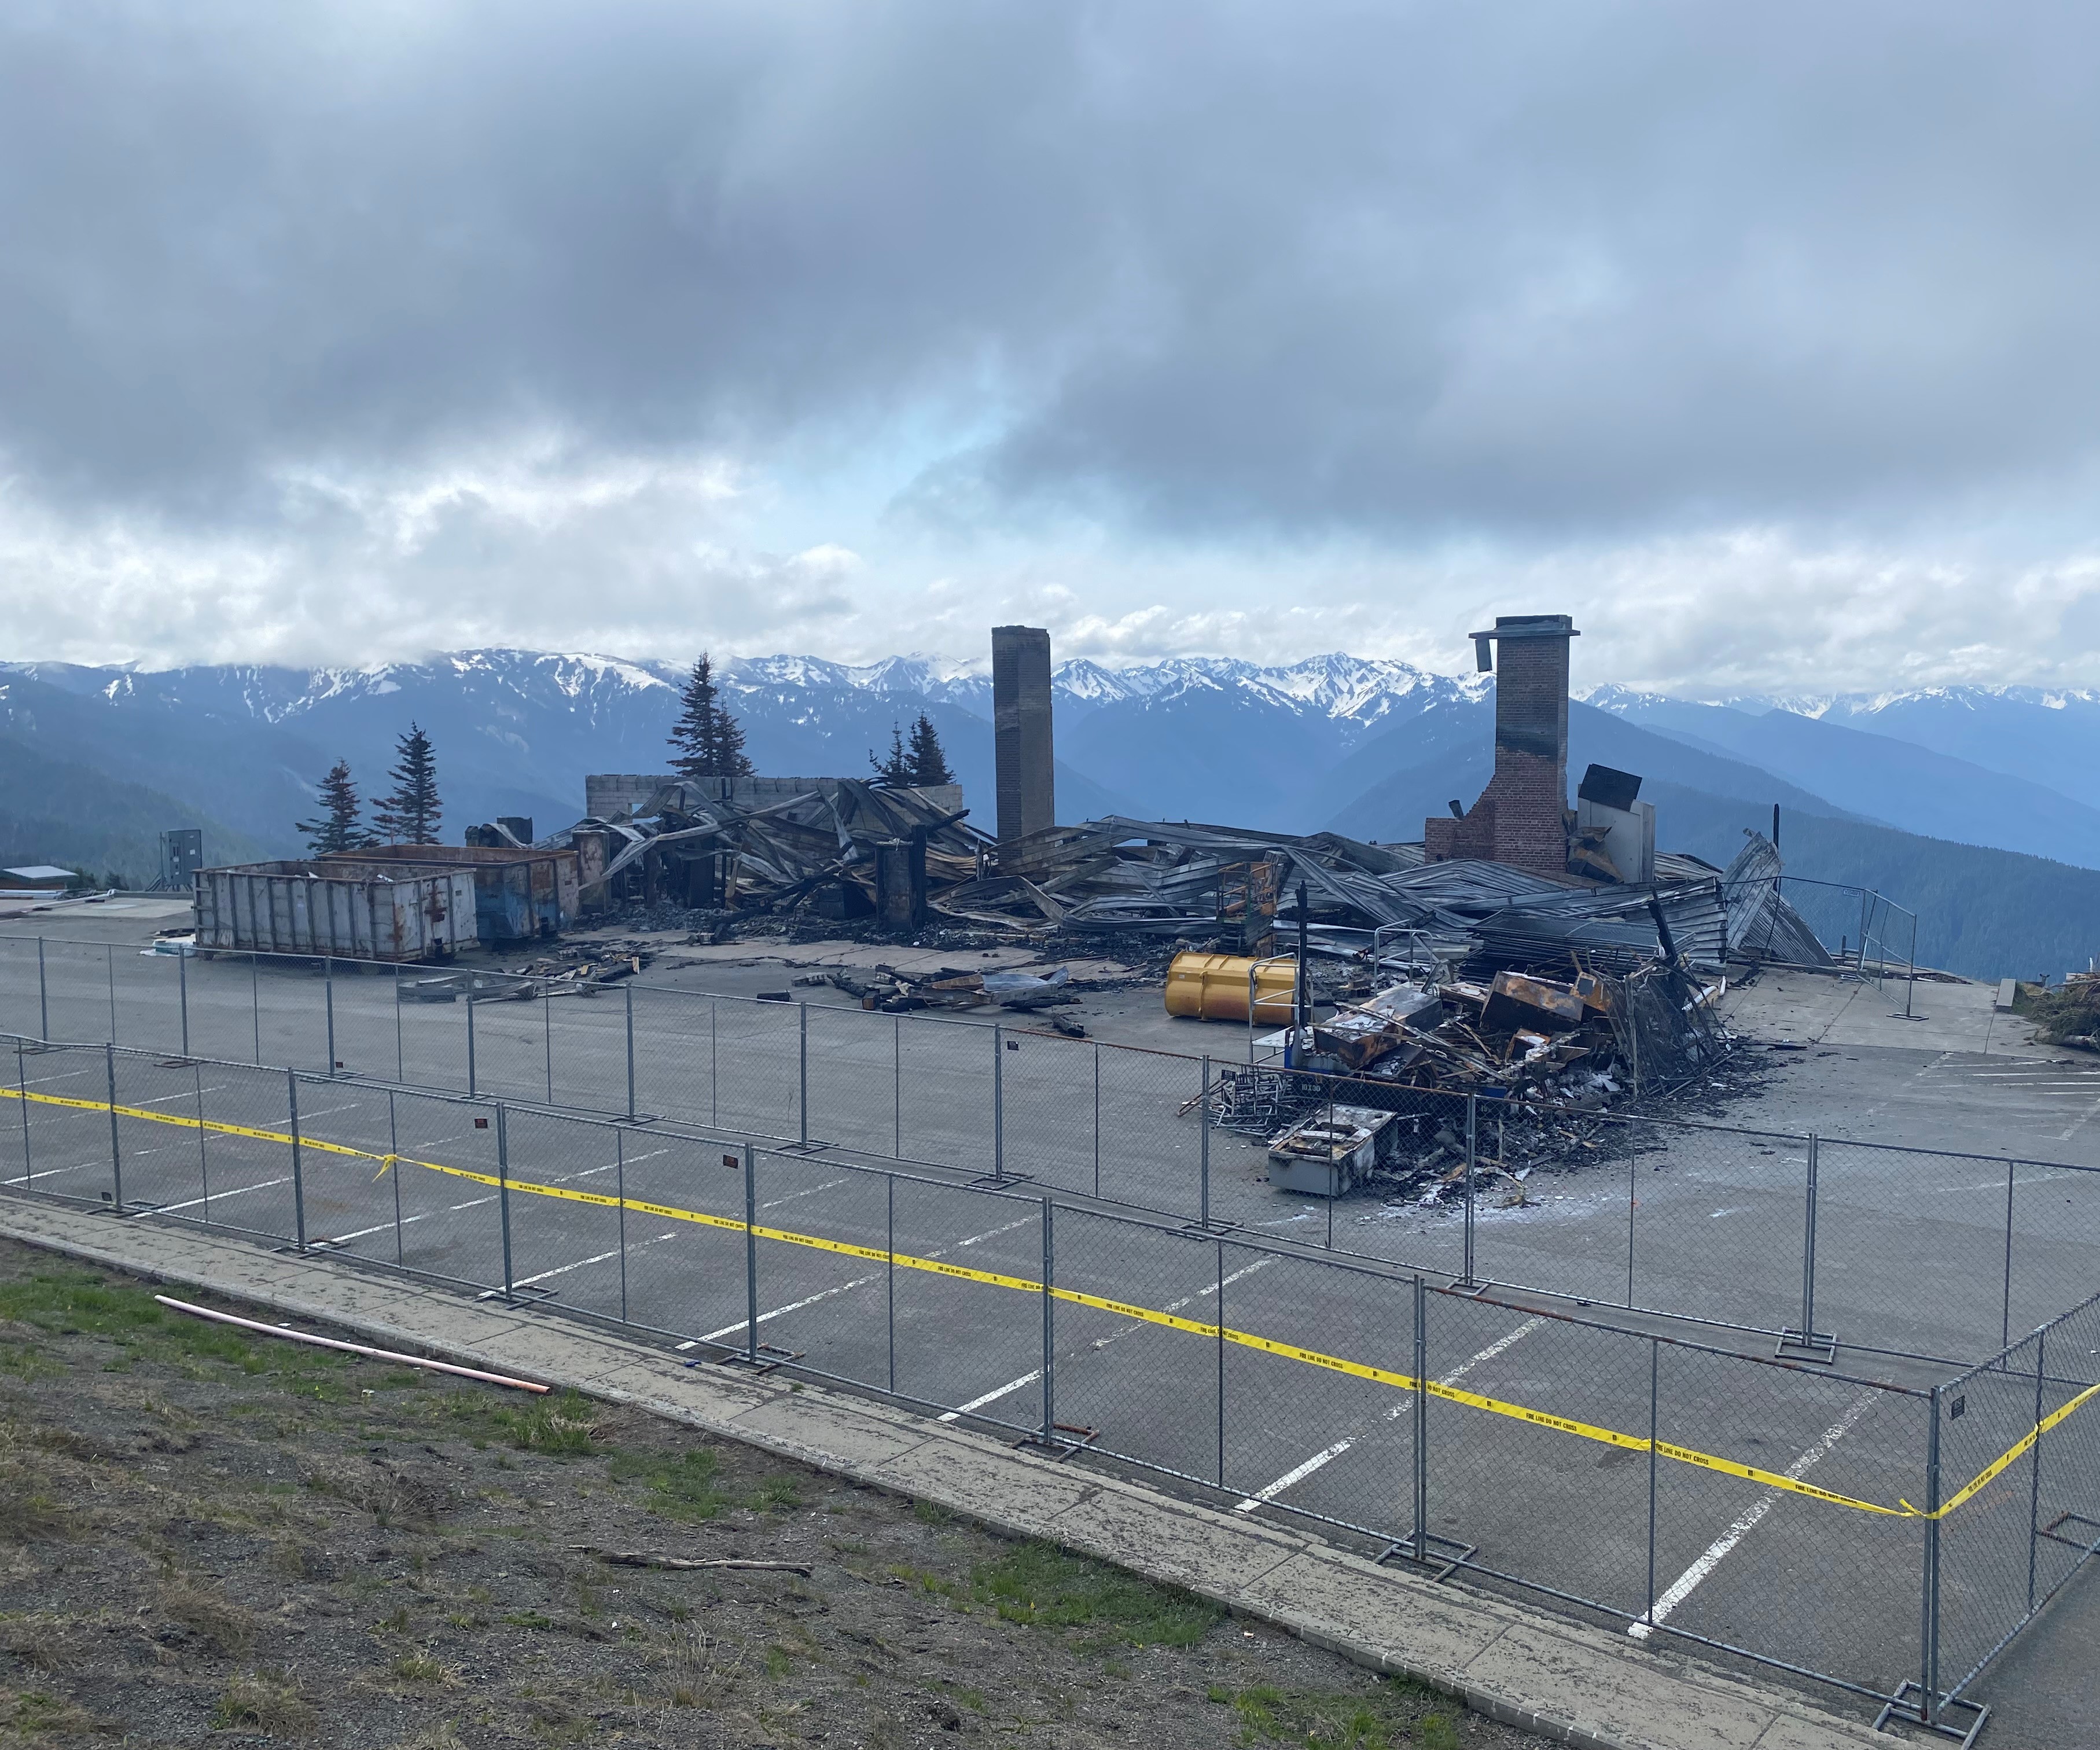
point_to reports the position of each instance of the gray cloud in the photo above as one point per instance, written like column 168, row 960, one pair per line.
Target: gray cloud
column 1384, row 275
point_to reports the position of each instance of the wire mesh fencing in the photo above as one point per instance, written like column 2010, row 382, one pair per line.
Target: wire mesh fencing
column 1886, row 1536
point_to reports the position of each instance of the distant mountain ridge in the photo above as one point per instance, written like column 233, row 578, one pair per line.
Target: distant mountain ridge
column 1366, row 745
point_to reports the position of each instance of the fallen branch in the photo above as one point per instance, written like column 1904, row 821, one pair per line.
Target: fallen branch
column 645, row 1558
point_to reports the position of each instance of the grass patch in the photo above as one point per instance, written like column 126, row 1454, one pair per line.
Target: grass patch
column 30, row 1509
column 561, row 1426
column 267, row 1700
column 34, row 1714
column 1039, row 1584
column 228, row 1626
column 1265, row 1713
column 683, row 1486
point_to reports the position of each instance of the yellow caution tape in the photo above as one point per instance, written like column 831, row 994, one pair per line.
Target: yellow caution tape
column 1537, row 1418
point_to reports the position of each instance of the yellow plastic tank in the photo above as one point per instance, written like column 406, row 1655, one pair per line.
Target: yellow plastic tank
column 1214, row 987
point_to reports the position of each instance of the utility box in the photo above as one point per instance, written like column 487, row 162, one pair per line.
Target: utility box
column 1607, row 807
column 317, row 908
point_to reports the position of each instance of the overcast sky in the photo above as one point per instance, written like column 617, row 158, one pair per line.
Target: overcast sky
column 1761, row 339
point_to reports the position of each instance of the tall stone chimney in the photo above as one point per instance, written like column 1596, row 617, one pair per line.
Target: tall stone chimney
column 1521, row 817
column 1020, row 730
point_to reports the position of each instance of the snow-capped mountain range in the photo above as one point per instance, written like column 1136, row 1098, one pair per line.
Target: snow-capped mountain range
column 1366, row 746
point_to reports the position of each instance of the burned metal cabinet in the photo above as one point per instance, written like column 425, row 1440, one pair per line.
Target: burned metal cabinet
column 316, row 908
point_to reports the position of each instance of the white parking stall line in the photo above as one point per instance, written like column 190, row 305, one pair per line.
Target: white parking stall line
column 992, row 1397
column 810, row 1192
column 563, row 1270
column 52, row 1172
column 220, row 1197
column 1298, row 1474
column 1185, row 1301
column 1694, row 1577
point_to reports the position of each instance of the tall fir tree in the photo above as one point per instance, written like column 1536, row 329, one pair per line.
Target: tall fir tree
column 341, row 827
column 897, row 769
column 930, row 763
column 409, row 812
column 707, row 740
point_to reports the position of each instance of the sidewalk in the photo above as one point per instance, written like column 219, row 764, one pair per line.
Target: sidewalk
column 1573, row 1685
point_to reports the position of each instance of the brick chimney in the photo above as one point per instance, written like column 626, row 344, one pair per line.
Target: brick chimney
column 1521, row 817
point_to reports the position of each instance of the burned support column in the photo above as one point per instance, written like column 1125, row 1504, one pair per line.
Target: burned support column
column 900, row 882
column 1021, row 734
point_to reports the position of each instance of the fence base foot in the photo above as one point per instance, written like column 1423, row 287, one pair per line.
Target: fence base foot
column 526, row 1293
column 996, row 1181
column 1907, row 1704
column 767, row 1358
column 1061, row 1450
column 1806, row 1346
column 1471, row 1289
column 1431, row 1558
column 808, row 1148
column 2083, row 1545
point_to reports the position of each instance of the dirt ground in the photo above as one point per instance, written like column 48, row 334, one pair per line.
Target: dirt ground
column 208, row 1536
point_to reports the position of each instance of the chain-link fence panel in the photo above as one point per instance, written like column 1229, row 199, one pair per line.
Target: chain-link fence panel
column 2054, row 1217
column 1716, row 1220
column 158, row 1129
column 853, row 1078
column 1308, row 1437
column 436, row 1025
column 587, row 1028
column 225, row 1016
column 1748, row 1563
column 563, row 1251
column 822, row 1300
column 685, row 1270
column 364, row 1019
column 972, row 1346
column 17, row 1116
column 512, row 1053
column 450, row 1209
column 1152, row 1131
column 346, row 1186
column 1050, row 1122
column 291, row 1012
column 150, row 991
column 1885, row 1217
column 79, row 997
column 1539, row 1502
column 949, row 1115
column 63, row 1132
column 2062, row 1478
column 1128, row 1383
column 22, row 1000
column 254, row 1172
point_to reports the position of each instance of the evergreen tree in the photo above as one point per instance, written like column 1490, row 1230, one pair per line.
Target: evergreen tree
column 409, row 813
column 707, row 742
column 929, row 764
column 897, row 769
column 339, row 828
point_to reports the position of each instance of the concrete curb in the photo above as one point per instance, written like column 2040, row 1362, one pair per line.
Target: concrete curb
column 1571, row 1684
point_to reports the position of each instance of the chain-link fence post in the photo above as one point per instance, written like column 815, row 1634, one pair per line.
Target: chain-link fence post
column 204, row 1163
column 115, row 1148
column 299, row 1165
column 109, row 959
column 1218, row 1312
column 328, row 1001
column 1049, row 1332
column 802, row 1072
column 997, row 1101
column 400, row 1064
column 1204, row 1108
column 714, row 1072
column 1654, row 1395
column 472, row 1077
column 255, row 1002
column 1928, row 1700
column 890, row 1279
column 547, row 1034
column 1098, row 1118
column 896, row 1094
column 394, row 1172
column 2034, row 1469
column 22, row 1085
column 1632, row 1203
column 751, row 1253
column 627, row 992
column 43, row 997
column 2006, row 1313
column 503, row 1191
column 182, row 995
column 1472, row 1150
column 619, row 1190
column 1421, row 1538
